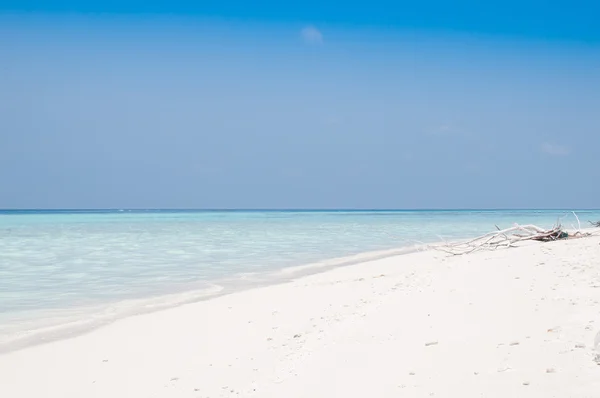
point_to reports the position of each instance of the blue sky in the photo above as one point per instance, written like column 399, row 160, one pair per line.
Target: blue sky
column 299, row 105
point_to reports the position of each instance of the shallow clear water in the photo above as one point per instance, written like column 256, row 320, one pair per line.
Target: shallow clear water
column 61, row 264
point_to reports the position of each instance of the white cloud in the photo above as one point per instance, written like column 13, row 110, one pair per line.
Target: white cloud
column 311, row 35
column 333, row 121
column 447, row 130
column 555, row 150
column 444, row 129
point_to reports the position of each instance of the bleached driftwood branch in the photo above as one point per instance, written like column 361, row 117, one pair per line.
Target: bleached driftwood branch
column 578, row 222
column 505, row 238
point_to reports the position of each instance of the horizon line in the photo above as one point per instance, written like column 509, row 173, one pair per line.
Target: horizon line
column 117, row 209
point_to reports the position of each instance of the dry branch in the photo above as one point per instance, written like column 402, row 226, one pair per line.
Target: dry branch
column 505, row 238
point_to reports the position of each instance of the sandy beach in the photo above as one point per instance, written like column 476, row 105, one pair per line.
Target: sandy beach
column 515, row 322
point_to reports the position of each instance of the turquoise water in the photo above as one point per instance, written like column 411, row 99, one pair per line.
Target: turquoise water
column 64, row 267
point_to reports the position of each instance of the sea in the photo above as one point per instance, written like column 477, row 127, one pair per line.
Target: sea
column 64, row 272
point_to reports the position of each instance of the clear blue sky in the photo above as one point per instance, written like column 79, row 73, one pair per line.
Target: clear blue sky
column 308, row 104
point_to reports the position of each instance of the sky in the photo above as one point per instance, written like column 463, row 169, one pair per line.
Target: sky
column 390, row 105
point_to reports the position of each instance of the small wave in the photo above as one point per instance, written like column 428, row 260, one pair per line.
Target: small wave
column 51, row 325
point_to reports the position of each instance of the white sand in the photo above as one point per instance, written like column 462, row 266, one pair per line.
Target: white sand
column 511, row 323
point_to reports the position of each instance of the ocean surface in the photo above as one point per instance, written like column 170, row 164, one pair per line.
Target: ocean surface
column 67, row 271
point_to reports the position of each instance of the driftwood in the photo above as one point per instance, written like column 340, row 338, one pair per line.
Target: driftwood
column 504, row 238
column 595, row 223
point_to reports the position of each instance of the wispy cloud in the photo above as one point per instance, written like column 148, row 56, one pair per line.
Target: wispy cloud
column 333, row 121
column 311, row 35
column 446, row 129
column 555, row 150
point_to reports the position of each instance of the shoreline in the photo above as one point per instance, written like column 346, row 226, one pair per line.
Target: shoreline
column 511, row 322
column 94, row 296
column 79, row 325
column 76, row 325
